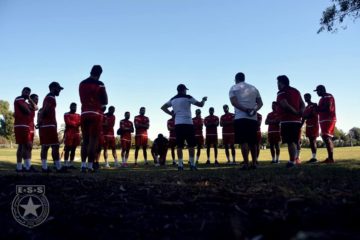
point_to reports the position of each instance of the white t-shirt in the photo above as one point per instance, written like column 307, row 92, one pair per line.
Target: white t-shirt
column 246, row 94
column 181, row 105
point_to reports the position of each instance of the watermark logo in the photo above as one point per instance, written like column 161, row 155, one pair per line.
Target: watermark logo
column 30, row 206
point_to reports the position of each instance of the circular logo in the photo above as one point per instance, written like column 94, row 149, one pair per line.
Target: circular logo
column 30, row 210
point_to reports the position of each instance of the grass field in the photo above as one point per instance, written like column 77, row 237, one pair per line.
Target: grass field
column 307, row 202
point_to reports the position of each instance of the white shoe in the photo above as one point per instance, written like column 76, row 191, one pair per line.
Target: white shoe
column 107, row 165
column 157, row 165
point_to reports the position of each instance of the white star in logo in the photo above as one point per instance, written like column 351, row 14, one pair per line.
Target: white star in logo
column 30, row 208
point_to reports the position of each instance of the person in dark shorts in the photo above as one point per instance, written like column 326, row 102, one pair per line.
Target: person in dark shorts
column 159, row 150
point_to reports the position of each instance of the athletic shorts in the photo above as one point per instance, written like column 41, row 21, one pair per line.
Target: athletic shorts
column 48, row 135
column 199, row 140
column 211, row 140
column 185, row 132
column 22, row 135
column 172, row 142
column 246, row 131
column 312, row 131
column 125, row 144
column 327, row 128
column 141, row 140
column 72, row 139
column 109, row 142
column 290, row 132
column 274, row 137
column 229, row 139
column 32, row 135
column 91, row 125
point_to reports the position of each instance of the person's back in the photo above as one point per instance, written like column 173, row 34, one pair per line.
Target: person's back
column 92, row 96
column 293, row 97
column 329, row 115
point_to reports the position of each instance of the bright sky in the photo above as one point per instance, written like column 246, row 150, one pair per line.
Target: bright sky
column 148, row 47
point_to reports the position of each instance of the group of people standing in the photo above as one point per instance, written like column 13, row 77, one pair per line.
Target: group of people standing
column 242, row 127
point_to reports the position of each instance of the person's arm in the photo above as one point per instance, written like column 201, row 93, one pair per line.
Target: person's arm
column 202, row 103
column 287, row 107
column 24, row 108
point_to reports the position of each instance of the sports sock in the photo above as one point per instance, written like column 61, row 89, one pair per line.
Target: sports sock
column 83, row 164
column 313, row 155
column 27, row 164
column 19, row 166
column 192, row 163
column 58, row 164
column 44, row 163
column 181, row 164
column 90, row 165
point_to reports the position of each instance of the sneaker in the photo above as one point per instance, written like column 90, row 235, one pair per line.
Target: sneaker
column 180, row 168
column 96, row 165
column 297, row 161
column 48, row 170
column 19, row 170
column 207, row 162
column 107, row 166
column 83, row 169
column 146, row 163
column 71, row 167
column 313, row 160
column 124, row 165
column 157, row 165
column 273, row 162
column 244, row 167
column 193, row 168
column 61, row 170
column 328, row 161
column 290, row 164
column 31, row 169
column 216, row 163
column 174, row 163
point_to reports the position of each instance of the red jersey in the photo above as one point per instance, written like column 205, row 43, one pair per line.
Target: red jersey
column 311, row 114
column 227, row 123
column 198, row 123
column 127, row 128
column 259, row 120
column 171, row 128
column 109, row 123
column 22, row 118
column 32, row 117
column 273, row 120
column 93, row 96
column 141, row 120
column 72, row 123
column 293, row 97
column 48, row 118
column 211, row 123
column 330, row 115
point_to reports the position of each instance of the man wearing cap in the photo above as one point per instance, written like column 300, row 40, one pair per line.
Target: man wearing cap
column 48, row 128
column 93, row 98
column 181, row 105
column 247, row 101
column 71, row 135
column 291, row 108
column 327, row 120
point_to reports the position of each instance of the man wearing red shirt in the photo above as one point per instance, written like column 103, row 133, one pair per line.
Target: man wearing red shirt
column 327, row 120
column 93, row 98
column 126, row 128
column 48, row 128
column 310, row 117
column 72, row 134
column 227, row 124
column 198, row 123
column 109, row 138
column 291, row 107
column 142, row 124
column 273, row 120
column 23, row 117
column 258, row 133
column 211, row 123
column 172, row 137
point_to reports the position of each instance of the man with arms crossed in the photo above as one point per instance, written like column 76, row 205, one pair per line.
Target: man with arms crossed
column 126, row 128
column 181, row 105
column 247, row 101
column 291, row 108
column 142, row 124
column 227, row 124
column 327, row 120
column 72, row 135
column 48, row 129
column 311, row 118
column 198, row 123
column 211, row 123
column 93, row 97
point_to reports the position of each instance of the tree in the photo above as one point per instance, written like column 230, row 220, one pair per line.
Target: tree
column 355, row 133
column 7, row 122
column 337, row 13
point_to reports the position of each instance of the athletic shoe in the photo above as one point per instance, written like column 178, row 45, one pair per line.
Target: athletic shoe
column 244, row 167
column 107, row 166
column 61, row 170
column 48, row 170
column 216, row 163
column 290, row 164
column 297, row 161
column 31, row 169
column 193, row 168
column 124, row 165
column 328, row 161
column 157, row 165
column 83, row 169
column 96, row 165
column 174, row 163
column 19, row 170
column 313, row 160
column 71, row 167
column 180, row 168
column 146, row 163
column 207, row 162
column 274, row 162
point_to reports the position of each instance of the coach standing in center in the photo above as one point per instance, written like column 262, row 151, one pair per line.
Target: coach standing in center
column 247, row 101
